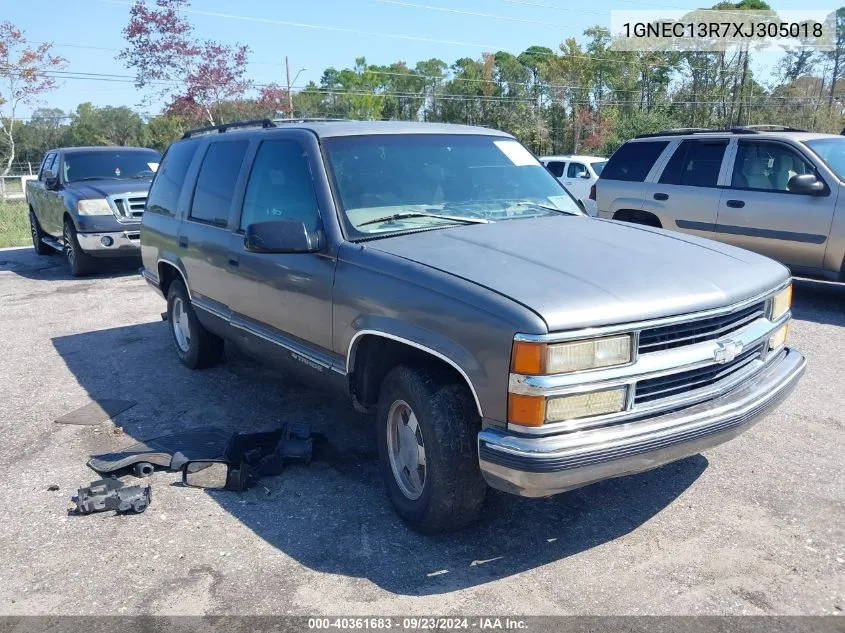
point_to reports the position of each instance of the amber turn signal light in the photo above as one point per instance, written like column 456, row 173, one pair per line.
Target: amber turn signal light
column 526, row 410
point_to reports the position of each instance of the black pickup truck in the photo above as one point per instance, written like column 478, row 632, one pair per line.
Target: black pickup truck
column 88, row 201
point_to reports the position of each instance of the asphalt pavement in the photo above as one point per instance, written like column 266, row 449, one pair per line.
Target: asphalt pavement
column 755, row 526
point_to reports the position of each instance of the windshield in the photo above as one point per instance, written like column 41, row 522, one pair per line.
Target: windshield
column 110, row 165
column 832, row 152
column 393, row 183
column 597, row 167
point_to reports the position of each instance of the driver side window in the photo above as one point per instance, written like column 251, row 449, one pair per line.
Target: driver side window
column 280, row 187
column 767, row 166
column 575, row 170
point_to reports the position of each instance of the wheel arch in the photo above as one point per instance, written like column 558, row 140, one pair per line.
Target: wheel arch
column 167, row 273
column 373, row 353
column 638, row 216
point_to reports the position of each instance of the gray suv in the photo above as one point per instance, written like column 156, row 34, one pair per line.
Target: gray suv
column 443, row 280
column 776, row 191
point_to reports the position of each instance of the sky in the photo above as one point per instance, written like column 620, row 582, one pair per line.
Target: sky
column 88, row 34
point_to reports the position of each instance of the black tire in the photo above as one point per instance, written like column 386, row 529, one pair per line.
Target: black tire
column 35, row 228
column 453, row 488
column 80, row 262
column 201, row 348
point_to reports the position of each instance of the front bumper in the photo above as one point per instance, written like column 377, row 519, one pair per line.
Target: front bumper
column 113, row 243
column 546, row 465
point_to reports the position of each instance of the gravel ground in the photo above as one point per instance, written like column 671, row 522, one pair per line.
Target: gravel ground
column 756, row 526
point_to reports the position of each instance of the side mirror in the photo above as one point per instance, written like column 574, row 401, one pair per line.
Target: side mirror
column 205, row 474
column 585, row 174
column 807, row 184
column 50, row 179
column 282, row 236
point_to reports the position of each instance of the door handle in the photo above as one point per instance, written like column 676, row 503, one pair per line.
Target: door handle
column 661, row 196
column 568, row 182
column 183, row 241
column 234, row 262
column 735, row 204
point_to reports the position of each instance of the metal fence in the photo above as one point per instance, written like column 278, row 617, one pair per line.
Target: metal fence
column 14, row 187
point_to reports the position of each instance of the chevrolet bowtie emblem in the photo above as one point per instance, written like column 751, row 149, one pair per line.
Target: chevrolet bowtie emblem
column 727, row 351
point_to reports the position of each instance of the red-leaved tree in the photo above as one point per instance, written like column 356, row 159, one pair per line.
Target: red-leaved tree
column 195, row 76
column 23, row 79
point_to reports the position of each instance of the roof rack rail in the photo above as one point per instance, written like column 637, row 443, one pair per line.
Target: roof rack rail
column 223, row 127
column 763, row 127
column 315, row 119
column 679, row 131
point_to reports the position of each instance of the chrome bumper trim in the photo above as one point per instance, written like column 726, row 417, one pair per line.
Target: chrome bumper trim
column 129, row 240
column 546, row 465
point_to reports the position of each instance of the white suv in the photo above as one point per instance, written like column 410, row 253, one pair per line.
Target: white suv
column 577, row 174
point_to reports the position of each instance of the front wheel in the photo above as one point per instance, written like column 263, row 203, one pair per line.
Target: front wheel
column 196, row 346
column 79, row 261
column 427, row 429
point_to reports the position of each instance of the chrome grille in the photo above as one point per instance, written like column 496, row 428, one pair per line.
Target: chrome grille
column 690, row 332
column 676, row 384
column 131, row 207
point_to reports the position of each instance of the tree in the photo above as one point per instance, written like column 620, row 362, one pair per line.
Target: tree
column 23, row 72
column 195, row 76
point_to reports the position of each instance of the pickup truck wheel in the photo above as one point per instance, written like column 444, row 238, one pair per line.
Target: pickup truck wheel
column 40, row 247
column 80, row 263
column 427, row 441
column 197, row 347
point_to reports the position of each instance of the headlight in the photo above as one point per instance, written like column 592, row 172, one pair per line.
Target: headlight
column 535, row 359
column 778, row 339
column 583, row 405
column 96, row 206
column 539, row 410
column 781, row 303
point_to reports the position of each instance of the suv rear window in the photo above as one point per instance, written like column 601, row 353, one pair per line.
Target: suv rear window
column 633, row 161
column 695, row 163
column 216, row 181
column 164, row 193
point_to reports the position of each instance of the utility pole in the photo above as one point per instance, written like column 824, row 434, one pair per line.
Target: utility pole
column 290, row 94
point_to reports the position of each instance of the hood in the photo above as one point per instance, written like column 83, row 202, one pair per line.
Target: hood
column 106, row 187
column 576, row 271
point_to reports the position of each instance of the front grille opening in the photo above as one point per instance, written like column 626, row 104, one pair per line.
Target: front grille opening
column 131, row 208
column 676, row 384
column 680, row 334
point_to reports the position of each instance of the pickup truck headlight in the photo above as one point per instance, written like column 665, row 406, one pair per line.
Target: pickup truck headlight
column 781, row 303
column 95, row 206
column 535, row 359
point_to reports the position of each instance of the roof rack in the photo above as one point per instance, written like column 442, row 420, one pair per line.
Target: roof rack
column 262, row 123
column 223, row 127
column 738, row 129
column 768, row 127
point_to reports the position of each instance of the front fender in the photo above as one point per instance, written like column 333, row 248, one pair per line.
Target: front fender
column 433, row 343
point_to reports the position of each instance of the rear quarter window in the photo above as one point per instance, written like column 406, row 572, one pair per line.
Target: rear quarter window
column 633, row 161
column 167, row 185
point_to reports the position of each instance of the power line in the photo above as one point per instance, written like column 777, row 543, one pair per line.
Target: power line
column 476, row 14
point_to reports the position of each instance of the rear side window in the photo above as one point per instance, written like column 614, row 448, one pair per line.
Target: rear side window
column 216, row 181
column 695, row 164
column 633, row 161
column 555, row 167
column 164, row 193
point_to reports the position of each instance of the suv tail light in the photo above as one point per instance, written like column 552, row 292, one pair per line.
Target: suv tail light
column 593, row 192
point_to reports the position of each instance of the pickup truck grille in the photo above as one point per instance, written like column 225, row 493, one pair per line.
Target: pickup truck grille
column 676, row 384
column 690, row 332
column 130, row 208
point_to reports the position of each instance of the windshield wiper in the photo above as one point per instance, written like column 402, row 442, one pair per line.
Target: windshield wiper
column 96, row 178
column 547, row 207
column 425, row 214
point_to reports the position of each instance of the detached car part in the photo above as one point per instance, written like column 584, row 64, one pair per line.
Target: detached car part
column 112, row 494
